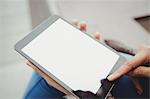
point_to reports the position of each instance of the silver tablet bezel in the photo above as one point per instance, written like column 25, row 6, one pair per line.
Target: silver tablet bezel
column 39, row 29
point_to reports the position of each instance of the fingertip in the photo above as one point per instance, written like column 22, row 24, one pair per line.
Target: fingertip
column 110, row 77
column 75, row 22
column 97, row 35
column 83, row 26
column 113, row 76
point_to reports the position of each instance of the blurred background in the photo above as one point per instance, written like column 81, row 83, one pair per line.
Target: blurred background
column 127, row 21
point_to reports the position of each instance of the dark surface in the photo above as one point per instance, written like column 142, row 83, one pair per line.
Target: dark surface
column 144, row 21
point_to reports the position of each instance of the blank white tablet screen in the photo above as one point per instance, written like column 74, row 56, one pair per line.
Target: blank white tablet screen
column 72, row 56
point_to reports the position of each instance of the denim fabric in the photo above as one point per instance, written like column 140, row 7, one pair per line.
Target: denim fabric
column 38, row 88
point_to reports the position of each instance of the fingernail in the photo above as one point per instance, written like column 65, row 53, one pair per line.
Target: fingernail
column 83, row 26
column 113, row 76
column 110, row 77
column 97, row 35
column 75, row 22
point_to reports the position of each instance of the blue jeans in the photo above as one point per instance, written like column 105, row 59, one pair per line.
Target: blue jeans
column 38, row 88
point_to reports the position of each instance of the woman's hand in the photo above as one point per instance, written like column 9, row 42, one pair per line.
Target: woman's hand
column 135, row 67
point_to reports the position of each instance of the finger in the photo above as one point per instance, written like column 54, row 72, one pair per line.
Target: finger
column 137, row 85
column 47, row 78
column 29, row 63
column 97, row 35
column 136, row 61
column 83, row 26
column 35, row 68
column 38, row 70
column 75, row 22
column 141, row 71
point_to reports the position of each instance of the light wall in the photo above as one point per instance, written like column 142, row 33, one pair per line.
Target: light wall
column 15, row 24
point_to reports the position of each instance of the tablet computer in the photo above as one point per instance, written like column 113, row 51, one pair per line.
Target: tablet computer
column 72, row 58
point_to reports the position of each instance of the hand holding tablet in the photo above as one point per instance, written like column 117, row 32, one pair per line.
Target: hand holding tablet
column 70, row 57
column 83, row 27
